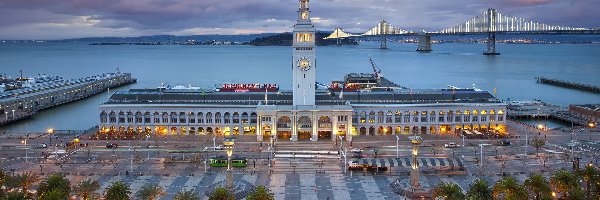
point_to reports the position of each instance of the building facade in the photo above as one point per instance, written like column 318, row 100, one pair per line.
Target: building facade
column 306, row 113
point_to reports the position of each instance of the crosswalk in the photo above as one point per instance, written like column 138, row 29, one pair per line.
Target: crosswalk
column 407, row 162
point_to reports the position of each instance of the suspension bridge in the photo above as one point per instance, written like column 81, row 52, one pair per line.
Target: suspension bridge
column 490, row 23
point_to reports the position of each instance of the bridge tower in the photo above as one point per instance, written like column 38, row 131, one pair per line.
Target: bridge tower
column 491, row 15
column 424, row 43
column 383, row 30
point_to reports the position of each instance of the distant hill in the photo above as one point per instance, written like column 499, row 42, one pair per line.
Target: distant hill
column 285, row 39
column 166, row 39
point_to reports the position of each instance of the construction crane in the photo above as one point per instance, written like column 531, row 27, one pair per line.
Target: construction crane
column 376, row 70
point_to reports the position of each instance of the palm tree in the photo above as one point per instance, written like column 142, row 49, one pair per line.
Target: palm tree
column 150, row 192
column 479, row 190
column 589, row 174
column 566, row 184
column 2, row 181
column 117, row 191
column 86, row 189
column 15, row 195
column 448, row 191
column 220, row 193
column 538, row 187
column 24, row 180
column 508, row 188
column 537, row 143
column 186, row 195
column 55, row 194
column 55, row 183
column 261, row 193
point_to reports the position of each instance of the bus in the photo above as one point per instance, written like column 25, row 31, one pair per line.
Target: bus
column 221, row 161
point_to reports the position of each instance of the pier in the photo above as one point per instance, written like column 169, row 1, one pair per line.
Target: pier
column 538, row 109
column 568, row 84
column 25, row 102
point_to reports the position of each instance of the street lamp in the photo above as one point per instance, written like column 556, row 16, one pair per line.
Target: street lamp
column 591, row 125
column 397, row 149
column 24, row 142
column 228, row 144
column 481, row 155
column 50, row 131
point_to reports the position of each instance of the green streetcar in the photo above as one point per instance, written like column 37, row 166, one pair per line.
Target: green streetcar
column 221, row 161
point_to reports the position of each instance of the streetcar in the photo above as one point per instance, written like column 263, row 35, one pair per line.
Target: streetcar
column 221, row 161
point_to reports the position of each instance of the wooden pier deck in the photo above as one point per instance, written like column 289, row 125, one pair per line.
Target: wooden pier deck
column 568, row 84
column 538, row 109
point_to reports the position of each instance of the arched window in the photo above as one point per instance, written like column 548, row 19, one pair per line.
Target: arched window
column 227, row 117
column 372, row 117
column 236, row 118
column 200, row 118
column 103, row 117
column 324, row 122
column 244, row 118
column 217, row 117
column 209, row 118
column 284, row 122
column 304, row 122
column 253, row 118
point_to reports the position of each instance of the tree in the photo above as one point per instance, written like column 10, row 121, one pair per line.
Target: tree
column 86, row 189
column 537, row 143
column 261, row 193
column 15, row 195
column 2, row 181
column 538, row 187
column 150, row 192
column 220, row 193
column 589, row 174
column 508, row 188
column 55, row 183
column 448, row 191
column 55, row 194
column 479, row 190
column 24, row 180
column 186, row 195
column 566, row 184
column 117, row 191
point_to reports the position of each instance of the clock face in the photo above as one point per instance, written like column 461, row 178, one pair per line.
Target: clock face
column 304, row 64
column 304, row 15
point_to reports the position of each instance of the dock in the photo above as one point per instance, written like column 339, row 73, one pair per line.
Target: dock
column 539, row 110
column 25, row 102
column 568, row 84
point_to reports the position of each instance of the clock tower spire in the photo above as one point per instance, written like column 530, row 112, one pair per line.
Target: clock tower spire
column 303, row 58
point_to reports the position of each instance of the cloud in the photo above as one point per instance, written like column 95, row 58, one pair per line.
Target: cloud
column 53, row 19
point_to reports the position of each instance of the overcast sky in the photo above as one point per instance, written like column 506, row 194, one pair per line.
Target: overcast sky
column 59, row 19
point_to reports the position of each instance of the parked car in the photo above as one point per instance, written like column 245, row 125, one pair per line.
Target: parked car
column 357, row 150
column 450, row 145
column 111, row 145
column 41, row 146
column 503, row 143
column 219, row 147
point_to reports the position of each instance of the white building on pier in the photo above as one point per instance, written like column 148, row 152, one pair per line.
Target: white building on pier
column 305, row 113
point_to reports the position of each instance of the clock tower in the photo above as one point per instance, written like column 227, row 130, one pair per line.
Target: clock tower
column 303, row 57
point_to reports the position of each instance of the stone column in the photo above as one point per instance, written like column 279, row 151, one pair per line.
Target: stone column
column 259, row 132
column 315, row 135
column 334, row 128
column 274, row 126
column 294, row 127
column 349, row 129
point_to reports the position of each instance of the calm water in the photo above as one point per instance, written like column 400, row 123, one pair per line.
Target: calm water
column 461, row 65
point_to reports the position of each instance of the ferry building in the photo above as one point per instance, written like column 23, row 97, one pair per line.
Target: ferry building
column 361, row 105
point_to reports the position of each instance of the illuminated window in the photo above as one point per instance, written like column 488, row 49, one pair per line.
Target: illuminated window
column 303, row 37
